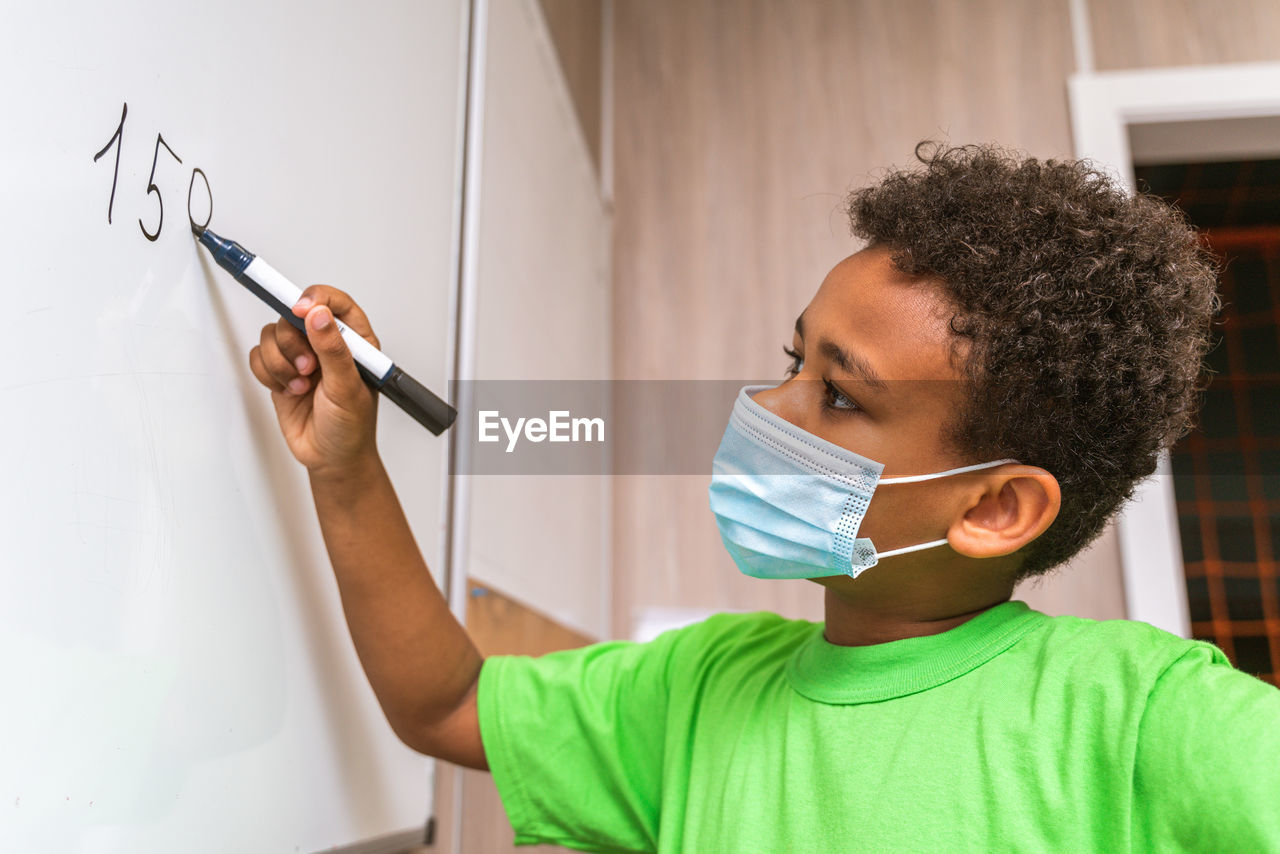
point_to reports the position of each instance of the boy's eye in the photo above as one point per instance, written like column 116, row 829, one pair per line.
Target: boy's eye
column 797, row 361
column 837, row 401
column 833, row 400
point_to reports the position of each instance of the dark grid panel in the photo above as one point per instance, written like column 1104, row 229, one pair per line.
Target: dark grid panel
column 1227, row 474
column 1214, row 195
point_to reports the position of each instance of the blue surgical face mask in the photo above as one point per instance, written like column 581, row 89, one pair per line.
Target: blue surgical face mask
column 789, row 504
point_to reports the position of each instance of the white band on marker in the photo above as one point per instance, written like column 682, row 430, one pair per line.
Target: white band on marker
column 274, row 283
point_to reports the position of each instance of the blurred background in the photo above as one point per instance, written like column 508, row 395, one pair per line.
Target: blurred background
column 724, row 135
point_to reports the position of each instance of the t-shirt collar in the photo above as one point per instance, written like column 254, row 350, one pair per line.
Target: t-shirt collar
column 828, row 673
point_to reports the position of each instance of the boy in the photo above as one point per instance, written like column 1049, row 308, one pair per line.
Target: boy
column 970, row 398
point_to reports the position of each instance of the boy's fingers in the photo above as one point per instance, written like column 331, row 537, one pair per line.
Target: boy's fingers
column 260, row 370
column 275, row 362
column 341, row 379
column 293, row 345
column 342, row 306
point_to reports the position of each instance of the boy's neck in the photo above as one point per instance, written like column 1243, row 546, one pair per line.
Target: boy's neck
column 852, row 623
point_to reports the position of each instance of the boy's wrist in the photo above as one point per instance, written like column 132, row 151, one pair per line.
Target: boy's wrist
column 360, row 470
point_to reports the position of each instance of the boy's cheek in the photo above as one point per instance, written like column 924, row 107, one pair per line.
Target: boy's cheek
column 906, row 514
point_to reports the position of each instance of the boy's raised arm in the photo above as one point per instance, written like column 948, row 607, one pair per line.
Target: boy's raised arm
column 422, row 665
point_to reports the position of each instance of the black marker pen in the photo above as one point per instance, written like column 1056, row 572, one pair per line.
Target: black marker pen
column 377, row 369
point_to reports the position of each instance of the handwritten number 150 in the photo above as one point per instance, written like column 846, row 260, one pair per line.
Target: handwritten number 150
column 117, row 139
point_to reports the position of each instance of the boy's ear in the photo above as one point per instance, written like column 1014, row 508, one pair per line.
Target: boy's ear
column 1005, row 510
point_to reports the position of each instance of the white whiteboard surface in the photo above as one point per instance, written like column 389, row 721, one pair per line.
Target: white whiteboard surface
column 542, row 313
column 176, row 670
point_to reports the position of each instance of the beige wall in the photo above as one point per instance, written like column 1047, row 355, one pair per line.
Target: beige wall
column 1151, row 33
column 577, row 29
column 739, row 126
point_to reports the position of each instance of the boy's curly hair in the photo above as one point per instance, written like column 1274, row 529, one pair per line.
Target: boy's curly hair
column 1087, row 311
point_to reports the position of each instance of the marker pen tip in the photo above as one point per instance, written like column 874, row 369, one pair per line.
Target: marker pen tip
column 197, row 230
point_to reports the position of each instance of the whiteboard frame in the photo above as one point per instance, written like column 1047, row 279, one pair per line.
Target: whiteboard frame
column 476, row 14
column 1103, row 105
column 492, row 165
column 476, row 93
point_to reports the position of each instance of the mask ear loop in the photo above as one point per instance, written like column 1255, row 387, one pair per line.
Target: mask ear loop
column 920, row 547
column 916, row 478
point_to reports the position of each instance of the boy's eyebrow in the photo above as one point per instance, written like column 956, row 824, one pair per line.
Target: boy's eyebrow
column 850, row 362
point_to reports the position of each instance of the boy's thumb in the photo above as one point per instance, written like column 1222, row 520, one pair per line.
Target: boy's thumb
column 337, row 367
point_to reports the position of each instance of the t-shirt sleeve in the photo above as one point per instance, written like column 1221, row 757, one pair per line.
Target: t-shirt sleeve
column 574, row 740
column 1207, row 775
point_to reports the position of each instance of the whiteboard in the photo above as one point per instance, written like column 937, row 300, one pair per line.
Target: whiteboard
column 177, row 673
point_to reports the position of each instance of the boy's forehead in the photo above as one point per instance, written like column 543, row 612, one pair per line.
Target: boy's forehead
column 897, row 322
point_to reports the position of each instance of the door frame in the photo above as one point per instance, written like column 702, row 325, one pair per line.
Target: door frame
column 1103, row 105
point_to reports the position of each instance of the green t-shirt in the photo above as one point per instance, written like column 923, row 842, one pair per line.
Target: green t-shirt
column 1014, row 731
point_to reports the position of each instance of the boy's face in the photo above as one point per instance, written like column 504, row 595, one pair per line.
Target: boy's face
column 893, row 408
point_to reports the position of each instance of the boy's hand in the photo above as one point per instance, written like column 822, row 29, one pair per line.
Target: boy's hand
column 326, row 411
